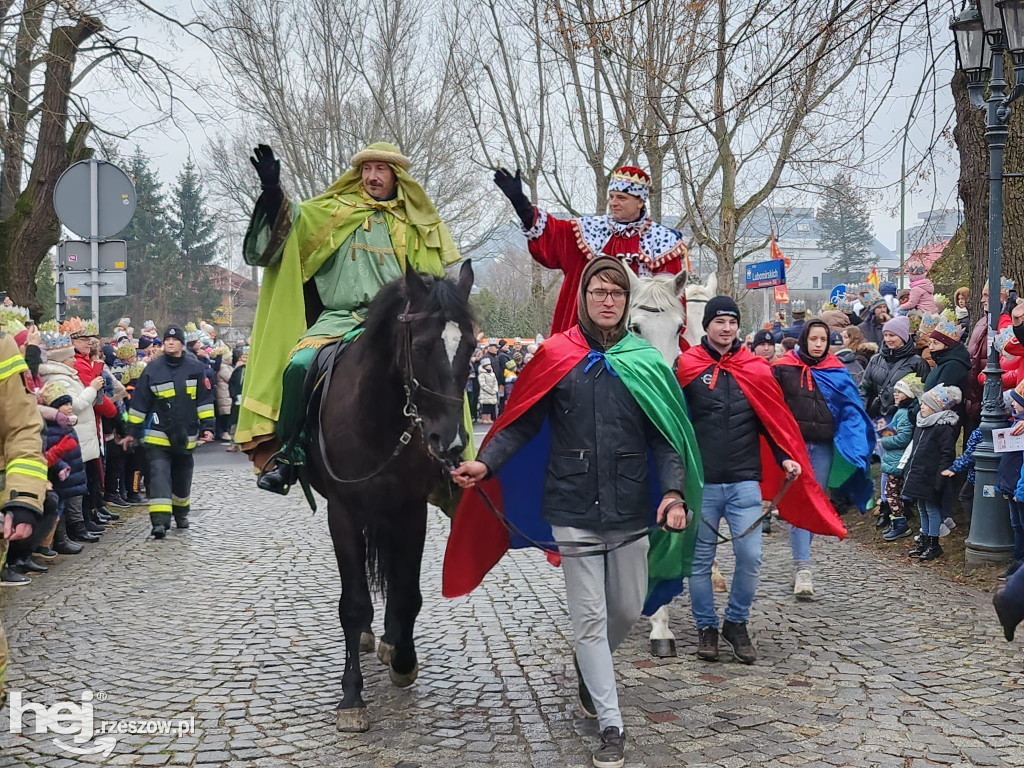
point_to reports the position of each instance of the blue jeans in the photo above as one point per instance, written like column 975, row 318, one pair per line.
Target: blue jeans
column 931, row 518
column 740, row 505
column 821, row 464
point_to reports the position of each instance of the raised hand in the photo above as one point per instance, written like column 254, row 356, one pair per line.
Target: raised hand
column 267, row 166
column 512, row 187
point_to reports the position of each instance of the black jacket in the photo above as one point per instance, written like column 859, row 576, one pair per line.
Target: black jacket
column 951, row 368
column 728, row 430
column 882, row 373
column 600, row 443
column 806, row 403
column 934, row 451
column 172, row 402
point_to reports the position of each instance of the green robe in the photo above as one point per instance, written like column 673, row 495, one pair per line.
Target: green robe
column 317, row 239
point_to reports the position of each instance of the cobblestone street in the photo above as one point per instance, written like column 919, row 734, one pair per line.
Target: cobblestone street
column 235, row 622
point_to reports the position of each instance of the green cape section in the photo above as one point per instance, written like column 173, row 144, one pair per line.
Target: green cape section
column 651, row 382
column 294, row 247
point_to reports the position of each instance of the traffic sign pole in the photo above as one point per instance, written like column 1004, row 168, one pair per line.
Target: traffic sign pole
column 94, row 236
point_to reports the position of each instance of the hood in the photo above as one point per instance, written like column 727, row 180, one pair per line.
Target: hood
column 49, row 368
column 610, row 338
column 868, row 348
column 924, row 283
column 846, row 355
column 835, row 319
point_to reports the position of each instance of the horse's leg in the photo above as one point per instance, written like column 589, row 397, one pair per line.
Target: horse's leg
column 367, row 642
column 717, row 579
column 354, row 610
column 663, row 642
column 405, row 555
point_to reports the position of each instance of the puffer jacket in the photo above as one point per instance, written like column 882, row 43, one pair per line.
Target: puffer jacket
column 853, row 364
column 601, row 441
column 922, row 297
column 895, row 445
column 806, row 403
column 82, row 400
column 882, row 373
column 488, row 387
column 727, row 427
column 934, row 451
column 76, row 483
column 222, row 390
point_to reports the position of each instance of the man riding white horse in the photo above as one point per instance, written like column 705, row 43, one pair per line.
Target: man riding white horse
column 626, row 233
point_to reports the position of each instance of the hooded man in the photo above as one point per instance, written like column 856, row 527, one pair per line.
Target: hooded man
column 626, row 233
column 746, row 434
column 597, row 409
column 325, row 261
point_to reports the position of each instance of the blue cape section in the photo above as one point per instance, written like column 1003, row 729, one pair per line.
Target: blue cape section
column 854, row 435
column 522, row 491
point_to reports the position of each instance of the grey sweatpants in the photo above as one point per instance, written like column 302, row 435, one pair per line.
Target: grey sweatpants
column 605, row 595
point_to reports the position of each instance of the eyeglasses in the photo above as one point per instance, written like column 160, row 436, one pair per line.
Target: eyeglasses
column 599, row 295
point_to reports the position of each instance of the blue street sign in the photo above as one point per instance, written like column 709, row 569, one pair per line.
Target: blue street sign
column 837, row 295
column 766, row 274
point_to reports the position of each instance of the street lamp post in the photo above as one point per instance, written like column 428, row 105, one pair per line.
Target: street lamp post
column 982, row 39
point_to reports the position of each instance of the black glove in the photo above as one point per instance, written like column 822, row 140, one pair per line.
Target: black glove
column 267, row 166
column 512, row 187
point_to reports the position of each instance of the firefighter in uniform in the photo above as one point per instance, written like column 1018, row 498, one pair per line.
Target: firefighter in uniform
column 22, row 468
column 172, row 409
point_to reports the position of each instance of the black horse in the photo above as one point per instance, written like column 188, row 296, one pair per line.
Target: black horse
column 391, row 418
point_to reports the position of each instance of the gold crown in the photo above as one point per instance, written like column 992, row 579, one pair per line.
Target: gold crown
column 632, row 178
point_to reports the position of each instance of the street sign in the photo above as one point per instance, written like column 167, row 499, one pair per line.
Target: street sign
column 115, row 199
column 74, row 254
column 837, row 295
column 766, row 274
column 111, row 283
column 781, row 294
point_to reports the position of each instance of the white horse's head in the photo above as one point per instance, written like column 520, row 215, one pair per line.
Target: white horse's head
column 656, row 312
column 697, row 295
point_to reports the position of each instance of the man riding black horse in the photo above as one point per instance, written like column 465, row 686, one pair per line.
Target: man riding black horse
column 325, row 260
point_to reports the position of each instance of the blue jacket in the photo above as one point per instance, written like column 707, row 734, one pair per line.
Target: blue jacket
column 966, row 459
column 895, row 446
column 76, row 483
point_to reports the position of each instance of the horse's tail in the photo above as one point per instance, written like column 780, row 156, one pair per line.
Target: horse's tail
column 376, row 557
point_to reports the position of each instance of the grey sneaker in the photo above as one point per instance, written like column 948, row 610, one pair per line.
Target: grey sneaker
column 612, row 752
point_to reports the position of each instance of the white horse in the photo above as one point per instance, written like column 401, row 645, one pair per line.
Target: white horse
column 656, row 315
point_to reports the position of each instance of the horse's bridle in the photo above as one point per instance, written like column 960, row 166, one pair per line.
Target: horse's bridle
column 412, row 387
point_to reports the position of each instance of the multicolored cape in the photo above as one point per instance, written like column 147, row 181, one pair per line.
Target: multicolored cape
column 478, row 538
column 854, row 431
column 805, row 504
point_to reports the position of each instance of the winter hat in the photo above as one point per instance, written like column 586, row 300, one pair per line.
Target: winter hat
column 174, row 332
column 898, row 325
column 910, row 385
column 55, row 394
column 947, row 331
column 485, row 361
column 631, row 180
column 941, row 398
column 887, row 288
column 720, row 306
column 762, row 337
column 58, row 346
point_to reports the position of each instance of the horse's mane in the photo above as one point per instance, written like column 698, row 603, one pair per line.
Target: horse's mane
column 443, row 297
column 657, row 291
column 698, row 292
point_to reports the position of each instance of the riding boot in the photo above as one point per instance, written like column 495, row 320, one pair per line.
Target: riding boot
column 280, row 479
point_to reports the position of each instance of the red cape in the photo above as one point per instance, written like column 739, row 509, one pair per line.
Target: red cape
column 805, row 505
column 478, row 539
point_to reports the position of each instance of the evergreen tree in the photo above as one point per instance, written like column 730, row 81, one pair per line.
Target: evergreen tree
column 194, row 232
column 846, row 230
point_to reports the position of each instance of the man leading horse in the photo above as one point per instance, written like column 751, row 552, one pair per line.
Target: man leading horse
column 325, row 259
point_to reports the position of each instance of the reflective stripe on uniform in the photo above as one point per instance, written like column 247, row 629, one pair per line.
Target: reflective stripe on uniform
column 30, row 467
column 205, row 412
column 177, row 501
column 11, row 366
column 163, row 390
column 190, row 387
column 136, row 417
column 159, row 505
column 155, row 437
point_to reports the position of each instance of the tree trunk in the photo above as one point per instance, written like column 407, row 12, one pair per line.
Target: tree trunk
column 969, row 135
column 32, row 228
column 1013, row 198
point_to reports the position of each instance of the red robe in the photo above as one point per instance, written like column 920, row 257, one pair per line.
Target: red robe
column 805, row 504
column 568, row 244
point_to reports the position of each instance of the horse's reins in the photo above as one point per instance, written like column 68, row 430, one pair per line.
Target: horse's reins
column 412, row 387
column 722, row 539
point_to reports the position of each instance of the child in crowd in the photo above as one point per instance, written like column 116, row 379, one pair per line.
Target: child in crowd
column 1016, row 491
column 488, row 392
column 894, row 446
column 68, row 474
column 935, row 436
column 511, row 374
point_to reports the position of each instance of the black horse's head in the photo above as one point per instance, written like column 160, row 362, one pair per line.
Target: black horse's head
column 434, row 340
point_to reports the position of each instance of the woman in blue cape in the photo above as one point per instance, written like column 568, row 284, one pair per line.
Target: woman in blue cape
column 840, row 437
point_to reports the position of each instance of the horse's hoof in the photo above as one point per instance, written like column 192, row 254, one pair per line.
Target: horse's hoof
column 384, row 651
column 663, row 649
column 367, row 642
column 353, row 720
column 404, row 681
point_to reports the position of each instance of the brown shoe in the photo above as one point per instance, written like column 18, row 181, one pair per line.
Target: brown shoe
column 707, row 644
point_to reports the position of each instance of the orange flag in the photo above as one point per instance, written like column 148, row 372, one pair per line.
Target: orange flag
column 776, row 253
